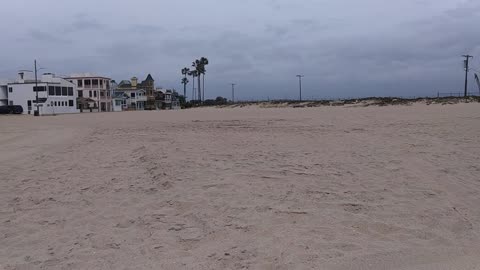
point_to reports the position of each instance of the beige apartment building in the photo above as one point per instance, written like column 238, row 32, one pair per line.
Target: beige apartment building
column 94, row 92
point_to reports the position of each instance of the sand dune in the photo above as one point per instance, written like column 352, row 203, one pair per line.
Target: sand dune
column 393, row 187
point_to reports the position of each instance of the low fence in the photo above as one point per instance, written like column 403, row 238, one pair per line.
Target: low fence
column 457, row 94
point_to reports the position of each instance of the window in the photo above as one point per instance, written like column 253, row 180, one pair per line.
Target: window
column 118, row 102
column 10, row 90
column 70, row 91
column 39, row 89
column 102, row 93
column 51, row 90
column 108, row 93
column 94, row 83
column 70, row 103
column 64, row 91
column 80, row 83
column 88, row 84
column 80, row 93
column 63, row 103
column 90, row 93
column 58, row 91
column 10, row 101
column 107, row 83
column 29, row 104
column 101, row 83
column 132, row 95
column 94, row 93
column 55, row 104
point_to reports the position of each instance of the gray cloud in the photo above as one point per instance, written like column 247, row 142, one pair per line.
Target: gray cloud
column 83, row 22
column 345, row 48
column 36, row 35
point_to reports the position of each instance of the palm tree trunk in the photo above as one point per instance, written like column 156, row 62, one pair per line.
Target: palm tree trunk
column 193, row 88
column 203, row 87
column 185, row 89
column 199, row 89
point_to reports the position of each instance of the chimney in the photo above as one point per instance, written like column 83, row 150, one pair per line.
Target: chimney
column 48, row 77
column 21, row 75
column 134, row 82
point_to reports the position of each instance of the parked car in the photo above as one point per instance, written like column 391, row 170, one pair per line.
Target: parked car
column 11, row 109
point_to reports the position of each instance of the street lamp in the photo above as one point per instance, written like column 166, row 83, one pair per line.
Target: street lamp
column 36, row 113
column 233, row 92
column 300, row 84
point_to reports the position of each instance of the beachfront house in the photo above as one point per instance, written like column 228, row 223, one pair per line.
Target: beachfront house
column 120, row 101
column 140, row 95
column 94, row 92
column 166, row 99
column 3, row 93
column 129, row 100
column 55, row 95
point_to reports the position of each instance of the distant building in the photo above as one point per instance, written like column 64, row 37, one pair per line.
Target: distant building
column 166, row 99
column 129, row 100
column 141, row 96
column 3, row 93
column 55, row 95
column 120, row 101
column 94, row 92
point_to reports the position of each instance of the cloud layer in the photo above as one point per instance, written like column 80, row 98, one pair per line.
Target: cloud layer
column 344, row 48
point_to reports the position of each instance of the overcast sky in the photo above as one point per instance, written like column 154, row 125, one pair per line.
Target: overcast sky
column 345, row 48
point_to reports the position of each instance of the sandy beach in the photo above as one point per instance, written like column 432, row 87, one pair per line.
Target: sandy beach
column 394, row 187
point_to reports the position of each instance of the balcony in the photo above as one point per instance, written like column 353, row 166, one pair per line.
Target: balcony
column 140, row 98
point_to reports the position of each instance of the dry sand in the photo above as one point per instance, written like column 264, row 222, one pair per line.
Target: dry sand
column 393, row 187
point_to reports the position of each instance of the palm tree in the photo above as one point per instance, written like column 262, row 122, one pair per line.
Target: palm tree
column 198, row 68
column 185, row 82
column 185, row 71
column 203, row 63
column 194, row 74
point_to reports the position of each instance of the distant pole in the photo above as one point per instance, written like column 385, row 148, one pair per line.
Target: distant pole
column 233, row 92
column 37, row 112
column 466, row 72
column 300, row 85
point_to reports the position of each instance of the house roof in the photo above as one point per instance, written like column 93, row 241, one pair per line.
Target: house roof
column 85, row 75
column 149, row 78
column 125, row 83
column 84, row 99
column 120, row 95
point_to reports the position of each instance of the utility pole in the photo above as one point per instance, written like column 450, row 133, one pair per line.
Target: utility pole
column 233, row 92
column 466, row 72
column 300, row 84
column 36, row 113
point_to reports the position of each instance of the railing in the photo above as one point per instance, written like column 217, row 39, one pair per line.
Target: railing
column 451, row 94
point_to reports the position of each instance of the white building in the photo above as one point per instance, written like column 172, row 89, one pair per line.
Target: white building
column 129, row 100
column 94, row 92
column 55, row 95
column 3, row 93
